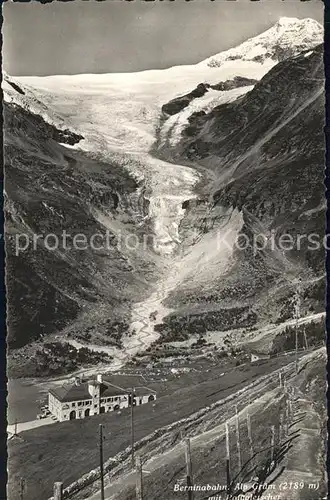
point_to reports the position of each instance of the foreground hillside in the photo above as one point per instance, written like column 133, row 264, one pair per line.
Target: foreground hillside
column 195, row 404
column 263, row 401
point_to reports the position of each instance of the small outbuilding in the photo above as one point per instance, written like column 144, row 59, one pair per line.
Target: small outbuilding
column 258, row 356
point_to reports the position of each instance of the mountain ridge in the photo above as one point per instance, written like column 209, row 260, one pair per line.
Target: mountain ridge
column 161, row 196
column 285, row 38
column 266, row 149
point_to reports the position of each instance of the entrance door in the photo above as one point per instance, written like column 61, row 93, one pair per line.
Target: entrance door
column 102, row 409
column 72, row 415
column 87, row 412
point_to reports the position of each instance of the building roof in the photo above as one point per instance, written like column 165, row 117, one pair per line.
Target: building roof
column 79, row 392
column 143, row 391
column 107, row 390
column 125, row 381
column 138, row 382
column 71, row 392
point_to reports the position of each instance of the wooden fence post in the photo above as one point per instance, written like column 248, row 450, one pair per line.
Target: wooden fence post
column 101, row 460
column 305, row 338
column 287, row 418
column 132, row 426
column 188, row 468
column 139, row 479
column 280, row 430
column 58, row 491
column 21, row 488
column 238, row 438
column 248, row 423
column 272, row 442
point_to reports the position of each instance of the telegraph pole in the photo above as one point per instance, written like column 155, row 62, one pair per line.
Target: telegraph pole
column 139, row 479
column 132, row 426
column 101, row 461
column 297, row 314
column 227, row 456
column 188, row 469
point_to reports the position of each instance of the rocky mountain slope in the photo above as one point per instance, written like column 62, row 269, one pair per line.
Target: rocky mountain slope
column 124, row 154
column 49, row 189
column 266, row 152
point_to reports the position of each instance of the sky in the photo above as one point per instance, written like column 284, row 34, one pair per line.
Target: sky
column 121, row 36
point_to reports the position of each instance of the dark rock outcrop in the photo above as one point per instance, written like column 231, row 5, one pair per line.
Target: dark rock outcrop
column 179, row 103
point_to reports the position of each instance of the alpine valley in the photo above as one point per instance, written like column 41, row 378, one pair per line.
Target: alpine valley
column 184, row 159
column 187, row 184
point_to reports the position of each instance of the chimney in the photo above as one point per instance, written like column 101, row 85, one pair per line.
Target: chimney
column 99, row 378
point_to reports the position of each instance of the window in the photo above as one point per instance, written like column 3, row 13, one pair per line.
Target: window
column 73, row 404
column 80, row 403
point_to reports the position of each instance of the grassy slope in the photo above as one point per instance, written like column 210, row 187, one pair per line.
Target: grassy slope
column 65, row 451
column 208, row 450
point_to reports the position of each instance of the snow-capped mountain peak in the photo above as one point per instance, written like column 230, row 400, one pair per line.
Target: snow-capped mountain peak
column 287, row 38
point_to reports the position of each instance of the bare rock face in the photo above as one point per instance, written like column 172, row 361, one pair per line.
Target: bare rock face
column 266, row 150
column 50, row 189
column 258, row 142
